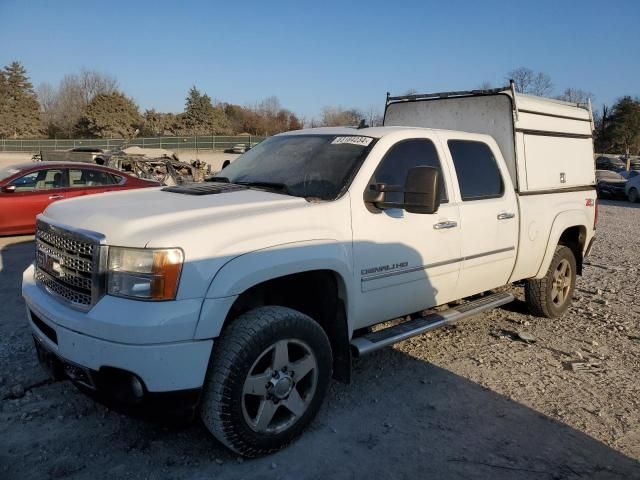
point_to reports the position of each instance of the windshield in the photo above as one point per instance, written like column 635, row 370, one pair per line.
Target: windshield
column 310, row 166
column 8, row 172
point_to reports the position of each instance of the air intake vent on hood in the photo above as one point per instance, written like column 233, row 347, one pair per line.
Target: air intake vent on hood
column 204, row 188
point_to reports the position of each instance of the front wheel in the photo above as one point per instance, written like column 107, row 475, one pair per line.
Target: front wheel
column 633, row 195
column 268, row 376
column 551, row 295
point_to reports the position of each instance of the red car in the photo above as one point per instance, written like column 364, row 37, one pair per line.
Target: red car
column 27, row 189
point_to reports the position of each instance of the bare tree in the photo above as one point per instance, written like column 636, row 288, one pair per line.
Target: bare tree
column 46, row 96
column 373, row 117
column 68, row 107
column 486, row 85
column 270, row 106
column 575, row 95
column 338, row 116
column 63, row 106
column 528, row 81
column 93, row 83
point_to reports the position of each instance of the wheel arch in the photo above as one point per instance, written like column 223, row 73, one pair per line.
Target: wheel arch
column 569, row 228
column 310, row 277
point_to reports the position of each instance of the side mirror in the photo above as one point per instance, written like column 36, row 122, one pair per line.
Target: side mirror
column 9, row 188
column 422, row 190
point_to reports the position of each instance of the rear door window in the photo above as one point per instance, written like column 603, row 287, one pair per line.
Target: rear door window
column 85, row 177
column 477, row 170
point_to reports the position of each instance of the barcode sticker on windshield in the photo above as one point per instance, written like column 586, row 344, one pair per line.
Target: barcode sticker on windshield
column 353, row 140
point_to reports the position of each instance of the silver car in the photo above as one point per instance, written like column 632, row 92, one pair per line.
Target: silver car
column 632, row 188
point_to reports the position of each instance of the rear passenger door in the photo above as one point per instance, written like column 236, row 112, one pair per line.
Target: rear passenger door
column 488, row 215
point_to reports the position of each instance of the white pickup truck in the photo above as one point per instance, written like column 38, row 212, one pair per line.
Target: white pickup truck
column 241, row 297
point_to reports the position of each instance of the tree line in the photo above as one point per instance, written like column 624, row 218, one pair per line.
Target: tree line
column 91, row 104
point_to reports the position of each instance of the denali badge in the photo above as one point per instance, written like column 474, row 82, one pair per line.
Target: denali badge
column 383, row 268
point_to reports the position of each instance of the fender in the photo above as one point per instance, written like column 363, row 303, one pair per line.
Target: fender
column 562, row 221
column 250, row 269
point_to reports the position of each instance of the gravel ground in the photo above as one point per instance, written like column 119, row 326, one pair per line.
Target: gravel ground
column 468, row 401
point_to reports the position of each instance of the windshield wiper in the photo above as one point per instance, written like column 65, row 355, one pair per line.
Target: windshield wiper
column 275, row 186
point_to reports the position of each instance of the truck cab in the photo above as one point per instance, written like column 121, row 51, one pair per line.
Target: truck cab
column 239, row 298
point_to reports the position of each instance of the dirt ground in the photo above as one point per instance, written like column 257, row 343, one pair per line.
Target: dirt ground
column 468, row 401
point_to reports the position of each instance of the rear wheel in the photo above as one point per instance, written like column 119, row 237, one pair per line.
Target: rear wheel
column 551, row 295
column 269, row 374
column 633, row 195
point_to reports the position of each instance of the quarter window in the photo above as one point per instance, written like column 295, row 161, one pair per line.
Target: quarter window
column 477, row 170
column 401, row 158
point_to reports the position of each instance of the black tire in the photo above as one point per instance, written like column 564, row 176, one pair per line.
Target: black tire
column 547, row 296
column 227, row 408
column 633, row 195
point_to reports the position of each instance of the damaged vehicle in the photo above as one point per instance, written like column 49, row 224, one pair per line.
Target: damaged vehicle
column 76, row 154
column 155, row 164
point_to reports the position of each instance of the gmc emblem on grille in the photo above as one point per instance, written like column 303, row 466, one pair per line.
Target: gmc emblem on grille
column 52, row 265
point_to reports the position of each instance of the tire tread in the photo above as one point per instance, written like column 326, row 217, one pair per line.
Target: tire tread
column 536, row 288
column 241, row 336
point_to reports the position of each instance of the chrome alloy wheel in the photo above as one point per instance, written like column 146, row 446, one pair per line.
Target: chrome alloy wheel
column 280, row 386
column 561, row 283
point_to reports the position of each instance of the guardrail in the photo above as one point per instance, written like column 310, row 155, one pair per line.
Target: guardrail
column 196, row 142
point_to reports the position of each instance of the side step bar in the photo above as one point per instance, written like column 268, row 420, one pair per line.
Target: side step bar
column 402, row 331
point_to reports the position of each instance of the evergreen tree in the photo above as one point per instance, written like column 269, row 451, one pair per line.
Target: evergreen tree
column 19, row 108
column 109, row 115
column 624, row 126
column 200, row 117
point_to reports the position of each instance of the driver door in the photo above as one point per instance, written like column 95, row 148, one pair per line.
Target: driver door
column 405, row 262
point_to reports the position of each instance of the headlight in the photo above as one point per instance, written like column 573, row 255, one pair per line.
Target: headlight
column 144, row 273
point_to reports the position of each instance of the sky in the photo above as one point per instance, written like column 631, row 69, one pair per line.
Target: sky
column 314, row 54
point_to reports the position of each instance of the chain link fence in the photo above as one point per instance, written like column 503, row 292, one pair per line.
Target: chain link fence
column 199, row 142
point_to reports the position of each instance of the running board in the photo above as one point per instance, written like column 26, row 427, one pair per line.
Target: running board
column 402, row 331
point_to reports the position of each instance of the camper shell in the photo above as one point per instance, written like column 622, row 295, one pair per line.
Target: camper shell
column 546, row 143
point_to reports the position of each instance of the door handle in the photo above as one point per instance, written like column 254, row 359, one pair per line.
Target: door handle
column 445, row 224
column 506, row 216
column 55, row 197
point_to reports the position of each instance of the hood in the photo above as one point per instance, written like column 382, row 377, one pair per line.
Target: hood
column 223, row 224
column 139, row 218
column 210, row 229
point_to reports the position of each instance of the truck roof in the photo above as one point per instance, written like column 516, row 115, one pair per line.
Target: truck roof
column 375, row 132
